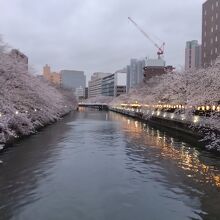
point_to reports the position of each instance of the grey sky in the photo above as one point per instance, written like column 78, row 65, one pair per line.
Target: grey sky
column 95, row 35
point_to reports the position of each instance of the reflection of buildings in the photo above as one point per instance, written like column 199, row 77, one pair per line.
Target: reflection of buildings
column 186, row 159
column 210, row 32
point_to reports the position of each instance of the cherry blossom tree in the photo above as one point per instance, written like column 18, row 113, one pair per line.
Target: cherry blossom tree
column 27, row 102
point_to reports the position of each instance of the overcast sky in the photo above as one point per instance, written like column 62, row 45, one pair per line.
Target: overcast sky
column 95, row 35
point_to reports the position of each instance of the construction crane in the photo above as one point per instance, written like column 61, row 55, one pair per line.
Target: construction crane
column 160, row 51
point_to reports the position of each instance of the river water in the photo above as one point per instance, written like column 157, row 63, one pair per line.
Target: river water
column 104, row 166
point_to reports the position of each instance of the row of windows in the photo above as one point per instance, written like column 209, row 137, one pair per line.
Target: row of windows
column 212, row 29
column 213, row 7
column 212, row 52
column 211, row 41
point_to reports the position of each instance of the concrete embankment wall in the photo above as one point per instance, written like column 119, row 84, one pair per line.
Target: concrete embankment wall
column 181, row 126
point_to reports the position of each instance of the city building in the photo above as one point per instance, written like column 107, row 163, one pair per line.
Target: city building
column 135, row 73
column 155, row 67
column 120, row 83
column 114, row 84
column 95, row 84
column 72, row 79
column 192, row 55
column 108, row 85
column 210, row 32
column 86, row 93
column 52, row 77
column 80, row 93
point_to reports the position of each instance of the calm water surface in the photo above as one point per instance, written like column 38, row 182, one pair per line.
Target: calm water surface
column 103, row 166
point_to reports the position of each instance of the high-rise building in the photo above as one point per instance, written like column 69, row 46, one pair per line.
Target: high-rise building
column 210, row 32
column 192, row 55
column 135, row 73
column 72, row 79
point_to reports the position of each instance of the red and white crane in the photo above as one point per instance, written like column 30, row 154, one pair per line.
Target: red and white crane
column 160, row 50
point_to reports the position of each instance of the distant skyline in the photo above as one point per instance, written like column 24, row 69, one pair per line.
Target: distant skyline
column 95, row 35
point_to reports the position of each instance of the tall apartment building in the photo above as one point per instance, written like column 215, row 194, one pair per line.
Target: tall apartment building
column 72, row 79
column 52, row 77
column 192, row 55
column 135, row 73
column 210, row 32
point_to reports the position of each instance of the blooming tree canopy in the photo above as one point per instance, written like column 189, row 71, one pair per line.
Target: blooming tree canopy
column 27, row 102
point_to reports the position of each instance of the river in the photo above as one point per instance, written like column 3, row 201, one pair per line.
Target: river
column 96, row 165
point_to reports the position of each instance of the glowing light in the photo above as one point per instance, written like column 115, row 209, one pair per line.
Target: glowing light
column 183, row 117
column 196, row 119
column 16, row 112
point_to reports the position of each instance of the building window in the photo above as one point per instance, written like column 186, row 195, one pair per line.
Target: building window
column 205, row 33
column 217, row 3
column 216, row 15
column 204, row 44
column 212, row 18
column 212, row 7
column 204, row 55
column 216, row 50
column 211, row 40
column 211, row 52
column 216, row 27
column 211, row 29
column 216, row 38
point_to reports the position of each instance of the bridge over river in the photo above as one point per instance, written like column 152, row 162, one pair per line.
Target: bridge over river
column 101, row 165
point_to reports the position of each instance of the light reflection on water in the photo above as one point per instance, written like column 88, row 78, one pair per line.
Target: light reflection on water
column 185, row 157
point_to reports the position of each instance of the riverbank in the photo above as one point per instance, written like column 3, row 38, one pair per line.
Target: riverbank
column 27, row 101
column 12, row 139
